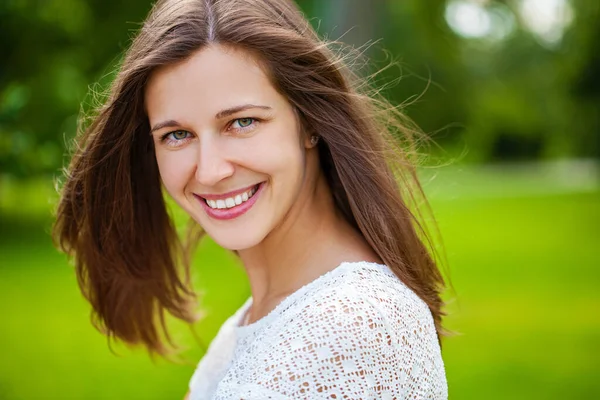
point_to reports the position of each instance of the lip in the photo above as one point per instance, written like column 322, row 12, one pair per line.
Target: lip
column 233, row 212
column 223, row 196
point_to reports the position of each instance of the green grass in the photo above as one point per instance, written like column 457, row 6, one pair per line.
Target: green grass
column 525, row 270
column 526, row 274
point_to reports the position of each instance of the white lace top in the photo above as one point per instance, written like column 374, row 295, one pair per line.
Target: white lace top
column 356, row 332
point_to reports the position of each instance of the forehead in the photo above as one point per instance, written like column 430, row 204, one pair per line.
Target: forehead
column 212, row 79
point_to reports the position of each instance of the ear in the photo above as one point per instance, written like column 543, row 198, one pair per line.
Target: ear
column 305, row 134
column 306, row 140
column 310, row 139
column 314, row 140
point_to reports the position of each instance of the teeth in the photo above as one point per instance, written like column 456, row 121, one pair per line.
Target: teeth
column 232, row 201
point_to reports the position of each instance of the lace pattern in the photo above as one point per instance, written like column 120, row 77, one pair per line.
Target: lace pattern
column 355, row 333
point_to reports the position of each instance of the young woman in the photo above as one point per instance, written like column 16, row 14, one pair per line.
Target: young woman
column 261, row 134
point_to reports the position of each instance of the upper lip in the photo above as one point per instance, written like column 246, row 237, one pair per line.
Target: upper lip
column 223, row 196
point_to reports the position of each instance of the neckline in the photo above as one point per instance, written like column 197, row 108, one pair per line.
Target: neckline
column 246, row 329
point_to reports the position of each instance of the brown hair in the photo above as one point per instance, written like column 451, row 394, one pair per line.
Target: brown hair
column 112, row 217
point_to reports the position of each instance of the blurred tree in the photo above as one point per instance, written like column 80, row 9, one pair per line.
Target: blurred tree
column 514, row 98
column 354, row 22
column 53, row 51
column 586, row 77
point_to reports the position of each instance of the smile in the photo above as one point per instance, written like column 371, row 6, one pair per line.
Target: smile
column 230, row 205
column 233, row 201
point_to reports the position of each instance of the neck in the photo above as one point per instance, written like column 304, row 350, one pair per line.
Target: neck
column 312, row 240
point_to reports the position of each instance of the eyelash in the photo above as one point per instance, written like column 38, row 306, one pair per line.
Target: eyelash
column 179, row 142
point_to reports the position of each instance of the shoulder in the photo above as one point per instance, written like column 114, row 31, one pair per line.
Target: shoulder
column 359, row 332
column 380, row 288
column 369, row 288
column 366, row 300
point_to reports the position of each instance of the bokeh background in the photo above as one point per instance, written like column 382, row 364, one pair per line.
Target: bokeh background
column 510, row 90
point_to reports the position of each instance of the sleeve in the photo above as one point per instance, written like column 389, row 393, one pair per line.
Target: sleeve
column 210, row 368
column 342, row 346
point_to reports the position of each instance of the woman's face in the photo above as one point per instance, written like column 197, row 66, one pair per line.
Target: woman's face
column 229, row 146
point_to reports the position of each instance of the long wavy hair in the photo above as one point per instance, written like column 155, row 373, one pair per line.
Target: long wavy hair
column 112, row 218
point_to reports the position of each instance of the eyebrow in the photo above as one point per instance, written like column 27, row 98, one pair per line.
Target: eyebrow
column 236, row 109
column 171, row 123
column 165, row 124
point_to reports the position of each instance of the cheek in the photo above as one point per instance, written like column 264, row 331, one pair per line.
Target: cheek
column 176, row 168
column 283, row 158
column 276, row 150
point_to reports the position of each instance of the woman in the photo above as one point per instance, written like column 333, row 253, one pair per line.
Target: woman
column 261, row 135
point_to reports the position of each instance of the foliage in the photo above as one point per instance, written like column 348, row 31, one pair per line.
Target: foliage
column 514, row 99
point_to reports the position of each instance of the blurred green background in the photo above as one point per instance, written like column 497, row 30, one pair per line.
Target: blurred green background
column 510, row 90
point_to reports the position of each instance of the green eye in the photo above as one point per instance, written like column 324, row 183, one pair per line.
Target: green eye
column 244, row 122
column 179, row 135
column 176, row 138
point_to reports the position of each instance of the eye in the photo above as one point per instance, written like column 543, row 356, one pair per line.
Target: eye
column 176, row 138
column 179, row 135
column 242, row 123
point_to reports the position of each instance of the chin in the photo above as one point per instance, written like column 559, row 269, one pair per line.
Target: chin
column 236, row 242
column 236, row 236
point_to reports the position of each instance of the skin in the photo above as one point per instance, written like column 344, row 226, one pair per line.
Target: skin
column 293, row 233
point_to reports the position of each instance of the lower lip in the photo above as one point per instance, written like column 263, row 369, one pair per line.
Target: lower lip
column 233, row 212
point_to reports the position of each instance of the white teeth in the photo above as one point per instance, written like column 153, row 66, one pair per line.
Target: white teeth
column 232, row 201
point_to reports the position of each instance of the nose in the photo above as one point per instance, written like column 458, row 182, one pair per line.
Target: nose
column 212, row 164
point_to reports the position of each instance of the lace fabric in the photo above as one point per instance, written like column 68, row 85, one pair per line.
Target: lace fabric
column 356, row 332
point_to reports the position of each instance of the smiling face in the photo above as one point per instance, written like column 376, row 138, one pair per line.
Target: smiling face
column 229, row 147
